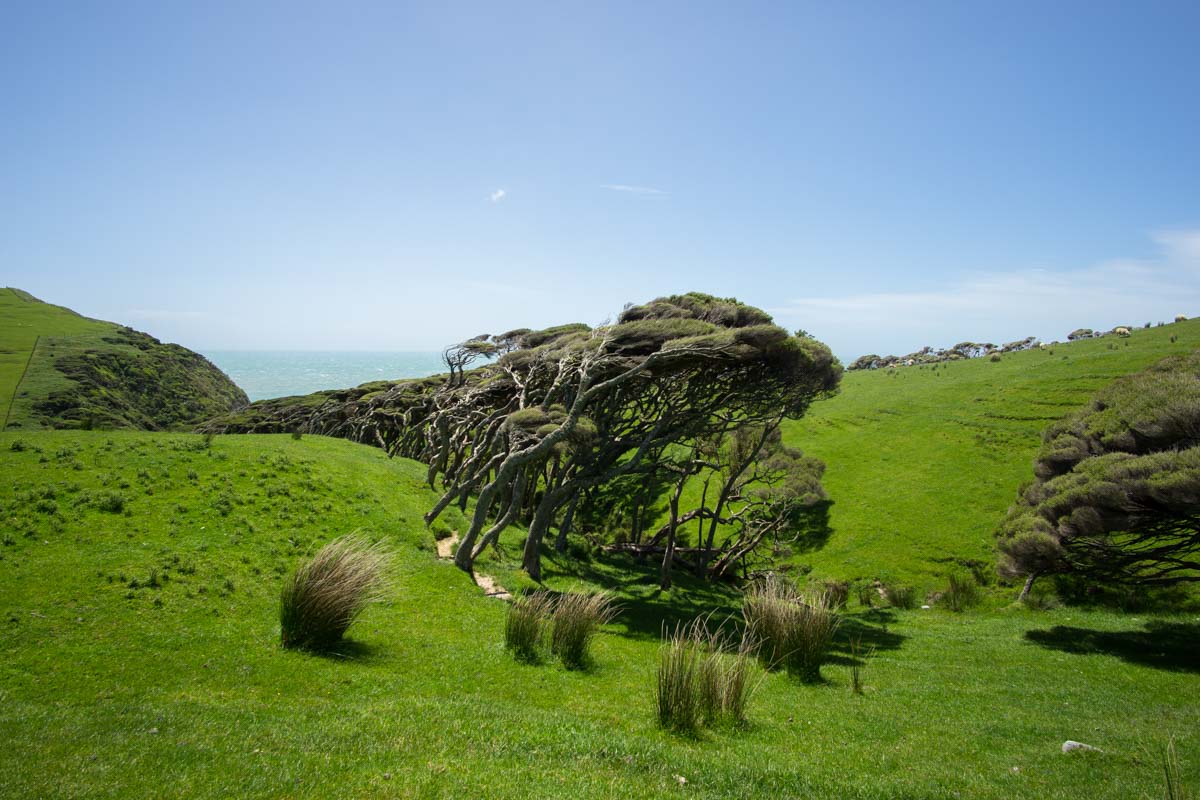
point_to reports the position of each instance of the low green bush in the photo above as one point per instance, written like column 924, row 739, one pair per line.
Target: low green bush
column 676, row 696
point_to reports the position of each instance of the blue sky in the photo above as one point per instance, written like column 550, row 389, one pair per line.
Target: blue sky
column 389, row 176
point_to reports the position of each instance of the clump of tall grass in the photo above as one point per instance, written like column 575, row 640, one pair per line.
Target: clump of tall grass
column 324, row 596
column 838, row 593
column 859, row 658
column 526, row 624
column 900, row 596
column 698, row 682
column 1173, row 788
column 724, row 678
column 675, row 693
column 793, row 629
column 576, row 618
column 962, row 592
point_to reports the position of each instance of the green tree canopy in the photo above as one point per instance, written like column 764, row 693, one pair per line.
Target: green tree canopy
column 1117, row 491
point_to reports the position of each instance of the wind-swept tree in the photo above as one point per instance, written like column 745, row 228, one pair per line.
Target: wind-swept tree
column 1117, row 492
column 570, row 409
column 561, row 417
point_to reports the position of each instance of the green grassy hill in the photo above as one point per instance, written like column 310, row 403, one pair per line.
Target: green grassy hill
column 61, row 370
column 139, row 576
column 921, row 463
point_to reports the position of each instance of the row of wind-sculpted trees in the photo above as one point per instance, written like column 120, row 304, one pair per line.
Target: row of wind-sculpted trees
column 570, row 426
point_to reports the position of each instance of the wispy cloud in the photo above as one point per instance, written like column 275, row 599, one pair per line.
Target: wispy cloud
column 497, row 195
column 621, row 187
column 166, row 314
column 1000, row 306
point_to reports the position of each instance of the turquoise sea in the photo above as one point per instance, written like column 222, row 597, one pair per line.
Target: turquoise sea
column 266, row 374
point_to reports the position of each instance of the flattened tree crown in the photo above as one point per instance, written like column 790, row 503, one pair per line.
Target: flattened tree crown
column 1117, row 489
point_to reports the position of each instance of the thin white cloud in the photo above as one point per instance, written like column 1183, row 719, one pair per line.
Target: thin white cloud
column 621, row 187
column 166, row 314
column 497, row 195
column 1180, row 245
column 1006, row 306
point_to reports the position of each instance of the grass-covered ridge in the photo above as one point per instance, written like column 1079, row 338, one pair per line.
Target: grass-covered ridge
column 61, row 370
column 139, row 656
column 922, row 462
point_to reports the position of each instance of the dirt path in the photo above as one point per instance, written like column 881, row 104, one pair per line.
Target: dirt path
column 445, row 550
column 445, row 546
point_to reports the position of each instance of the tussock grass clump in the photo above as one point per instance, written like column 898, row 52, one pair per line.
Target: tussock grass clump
column 676, row 696
column 838, row 593
column 900, row 596
column 793, row 629
column 962, row 592
column 526, row 624
column 698, row 682
column 576, row 618
column 724, row 679
column 324, row 596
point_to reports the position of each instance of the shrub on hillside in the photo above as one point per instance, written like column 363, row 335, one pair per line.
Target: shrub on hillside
column 324, row 596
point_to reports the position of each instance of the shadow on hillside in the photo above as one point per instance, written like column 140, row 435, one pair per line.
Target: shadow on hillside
column 1173, row 646
column 812, row 527
column 868, row 632
column 646, row 611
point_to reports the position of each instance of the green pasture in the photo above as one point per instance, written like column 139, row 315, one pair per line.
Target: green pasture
column 921, row 463
column 139, row 657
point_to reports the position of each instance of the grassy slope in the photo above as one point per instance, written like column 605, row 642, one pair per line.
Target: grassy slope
column 182, row 691
column 921, row 463
column 73, row 370
column 25, row 319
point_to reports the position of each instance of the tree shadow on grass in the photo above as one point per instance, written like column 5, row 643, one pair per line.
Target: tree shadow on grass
column 646, row 611
column 867, row 632
column 1172, row 646
column 812, row 527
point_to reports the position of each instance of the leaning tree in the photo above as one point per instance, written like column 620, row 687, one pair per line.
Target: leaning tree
column 561, row 413
column 1116, row 497
column 555, row 422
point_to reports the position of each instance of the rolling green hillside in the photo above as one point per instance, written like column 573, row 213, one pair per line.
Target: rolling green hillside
column 921, row 463
column 139, row 657
column 61, row 370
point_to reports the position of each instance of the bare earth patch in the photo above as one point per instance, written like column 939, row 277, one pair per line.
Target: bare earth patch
column 491, row 588
column 445, row 549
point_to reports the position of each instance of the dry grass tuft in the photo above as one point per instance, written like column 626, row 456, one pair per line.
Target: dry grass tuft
column 324, row 596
